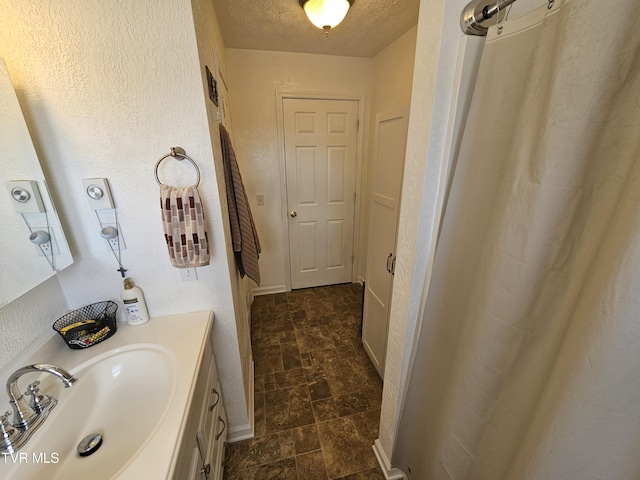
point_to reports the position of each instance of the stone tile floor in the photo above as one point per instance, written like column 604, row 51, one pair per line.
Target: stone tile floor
column 317, row 395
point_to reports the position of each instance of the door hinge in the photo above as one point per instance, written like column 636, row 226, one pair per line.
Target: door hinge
column 354, row 197
column 357, row 125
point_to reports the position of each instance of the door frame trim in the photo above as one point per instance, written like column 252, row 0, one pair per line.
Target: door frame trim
column 359, row 97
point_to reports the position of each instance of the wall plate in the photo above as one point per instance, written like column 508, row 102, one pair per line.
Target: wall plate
column 25, row 196
column 98, row 193
column 50, row 247
column 112, row 244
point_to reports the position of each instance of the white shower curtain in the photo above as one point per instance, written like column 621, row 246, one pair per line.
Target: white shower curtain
column 528, row 361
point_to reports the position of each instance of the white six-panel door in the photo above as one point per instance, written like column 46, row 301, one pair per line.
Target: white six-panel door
column 388, row 158
column 320, row 159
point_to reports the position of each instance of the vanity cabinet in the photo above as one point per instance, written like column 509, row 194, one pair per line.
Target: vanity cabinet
column 201, row 454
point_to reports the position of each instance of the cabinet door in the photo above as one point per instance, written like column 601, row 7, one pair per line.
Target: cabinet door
column 390, row 144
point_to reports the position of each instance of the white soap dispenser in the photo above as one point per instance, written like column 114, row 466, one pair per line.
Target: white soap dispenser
column 135, row 307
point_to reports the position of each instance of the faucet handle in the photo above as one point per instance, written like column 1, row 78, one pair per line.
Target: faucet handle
column 39, row 401
column 4, row 419
column 8, row 434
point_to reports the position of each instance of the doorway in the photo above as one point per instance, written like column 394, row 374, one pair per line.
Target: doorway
column 320, row 155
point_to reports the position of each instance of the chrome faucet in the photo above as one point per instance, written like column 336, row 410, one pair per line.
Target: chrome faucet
column 28, row 416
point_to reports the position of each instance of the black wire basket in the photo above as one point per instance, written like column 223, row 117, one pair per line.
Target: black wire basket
column 88, row 325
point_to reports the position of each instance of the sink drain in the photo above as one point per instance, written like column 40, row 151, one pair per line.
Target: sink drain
column 89, row 444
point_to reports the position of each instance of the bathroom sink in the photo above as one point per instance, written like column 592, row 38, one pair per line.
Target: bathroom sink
column 122, row 394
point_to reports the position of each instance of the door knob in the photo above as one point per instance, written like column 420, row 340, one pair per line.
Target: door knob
column 293, row 214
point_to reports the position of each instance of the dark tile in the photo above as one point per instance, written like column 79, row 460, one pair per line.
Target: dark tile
column 276, row 323
column 267, row 359
column 265, row 339
column 347, row 351
column 290, row 356
column 288, row 408
column 310, row 366
column 259, row 415
column 256, row 325
column 371, row 420
column 325, row 409
column 317, row 384
column 280, row 298
column 289, row 378
column 346, row 444
column 306, row 359
column 346, row 377
column 261, row 301
column 313, row 338
column 357, row 402
column 306, row 439
column 324, row 355
column 311, row 466
column 371, row 474
column 260, row 451
column 280, row 470
column 288, row 336
column 298, row 314
column 258, row 383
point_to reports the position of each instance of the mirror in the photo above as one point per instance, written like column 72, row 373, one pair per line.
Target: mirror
column 23, row 264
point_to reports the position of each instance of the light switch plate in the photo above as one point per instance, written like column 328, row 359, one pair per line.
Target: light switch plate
column 98, row 193
column 31, row 205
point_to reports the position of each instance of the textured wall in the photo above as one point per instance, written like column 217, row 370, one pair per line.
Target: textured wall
column 107, row 87
column 209, row 39
column 255, row 77
column 415, row 244
column 31, row 315
column 392, row 79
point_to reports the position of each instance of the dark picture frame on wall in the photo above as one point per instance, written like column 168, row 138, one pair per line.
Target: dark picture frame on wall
column 212, row 84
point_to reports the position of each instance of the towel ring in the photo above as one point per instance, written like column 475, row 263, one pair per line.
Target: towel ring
column 179, row 154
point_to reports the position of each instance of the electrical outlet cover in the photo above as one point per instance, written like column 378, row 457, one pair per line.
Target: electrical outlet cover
column 46, row 248
column 112, row 244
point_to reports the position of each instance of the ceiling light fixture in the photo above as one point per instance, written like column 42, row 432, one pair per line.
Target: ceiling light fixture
column 326, row 14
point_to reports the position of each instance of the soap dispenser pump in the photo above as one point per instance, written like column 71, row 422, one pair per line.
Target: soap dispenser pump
column 134, row 305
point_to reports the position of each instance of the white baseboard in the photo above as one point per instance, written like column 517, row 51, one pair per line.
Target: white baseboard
column 389, row 472
column 246, row 432
column 360, row 280
column 269, row 290
column 242, row 432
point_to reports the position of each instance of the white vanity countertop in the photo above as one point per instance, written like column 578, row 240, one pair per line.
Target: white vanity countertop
column 184, row 335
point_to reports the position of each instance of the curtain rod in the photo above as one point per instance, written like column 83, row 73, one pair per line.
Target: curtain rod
column 475, row 16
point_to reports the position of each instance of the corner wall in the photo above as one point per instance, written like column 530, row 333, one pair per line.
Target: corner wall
column 209, row 38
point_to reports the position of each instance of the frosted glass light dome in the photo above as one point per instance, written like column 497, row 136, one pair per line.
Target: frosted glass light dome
column 326, row 14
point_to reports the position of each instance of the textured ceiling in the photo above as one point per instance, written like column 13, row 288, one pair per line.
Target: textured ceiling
column 281, row 25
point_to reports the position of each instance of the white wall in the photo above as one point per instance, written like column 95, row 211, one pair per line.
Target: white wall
column 255, row 76
column 423, row 189
column 107, row 87
column 391, row 88
column 209, row 39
